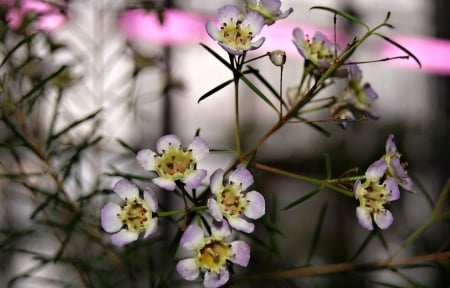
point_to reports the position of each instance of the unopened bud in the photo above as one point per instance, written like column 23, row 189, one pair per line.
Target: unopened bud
column 278, row 57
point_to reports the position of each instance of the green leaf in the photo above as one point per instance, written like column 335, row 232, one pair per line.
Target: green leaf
column 399, row 46
column 73, row 125
column 363, row 245
column 218, row 57
column 258, row 92
column 17, row 46
column 241, row 76
column 317, row 231
column 263, row 80
column 302, row 199
column 342, row 14
column 41, row 84
column 127, row 146
column 215, row 89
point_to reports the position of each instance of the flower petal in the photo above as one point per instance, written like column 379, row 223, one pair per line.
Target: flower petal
column 257, row 44
column 376, row 170
column 392, row 187
column 228, row 13
column 164, row 183
column 126, row 189
column 241, row 224
column 188, row 269
column 150, row 199
column 151, row 228
column 109, row 219
column 370, row 93
column 146, row 158
column 383, row 219
column 354, row 72
column 364, row 218
column 214, row 280
column 220, row 229
column 194, row 179
column 124, row 237
column 398, row 168
column 214, row 209
column 212, row 30
column 391, row 148
column 256, row 207
column 241, row 252
column 192, row 237
column 242, row 175
column 199, row 148
column 166, row 141
column 216, row 181
column 271, row 5
column 407, row 184
column 299, row 41
column 254, row 21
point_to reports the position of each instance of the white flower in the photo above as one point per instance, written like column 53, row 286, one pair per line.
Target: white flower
column 127, row 221
column 172, row 163
column 231, row 201
column 211, row 254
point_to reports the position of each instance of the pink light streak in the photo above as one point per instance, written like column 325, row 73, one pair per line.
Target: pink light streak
column 179, row 27
column 433, row 53
column 182, row 27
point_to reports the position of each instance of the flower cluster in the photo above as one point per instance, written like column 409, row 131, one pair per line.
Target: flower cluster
column 214, row 210
column 238, row 29
column 356, row 99
column 380, row 187
column 227, row 203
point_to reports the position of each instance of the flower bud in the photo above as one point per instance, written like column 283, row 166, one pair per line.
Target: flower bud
column 278, row 57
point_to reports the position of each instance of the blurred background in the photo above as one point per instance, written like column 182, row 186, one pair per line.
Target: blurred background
column 141, row 63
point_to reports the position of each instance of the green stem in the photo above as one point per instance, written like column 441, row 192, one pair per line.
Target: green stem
column 237, row 128
column 414, row 236
column 324, row 183
column 318, row 85
column 181, row 211
column 435, row 216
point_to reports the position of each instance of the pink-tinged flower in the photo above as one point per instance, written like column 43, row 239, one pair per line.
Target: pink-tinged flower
column 211, row 255
column 133, row 217
column 374, row 195
column 318, row 50
column 171, row 163
column 45, row 16
column 231, row 201
column 356, row 100
column 269, row 9
column 237, row 30
column 395, row 168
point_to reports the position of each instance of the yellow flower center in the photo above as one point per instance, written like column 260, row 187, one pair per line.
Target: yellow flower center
column 317, row 51
column 135, row 214
column 232, row 200
column 175, row 163
column 236, row 36
column 373, row 197
column 214, row 254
